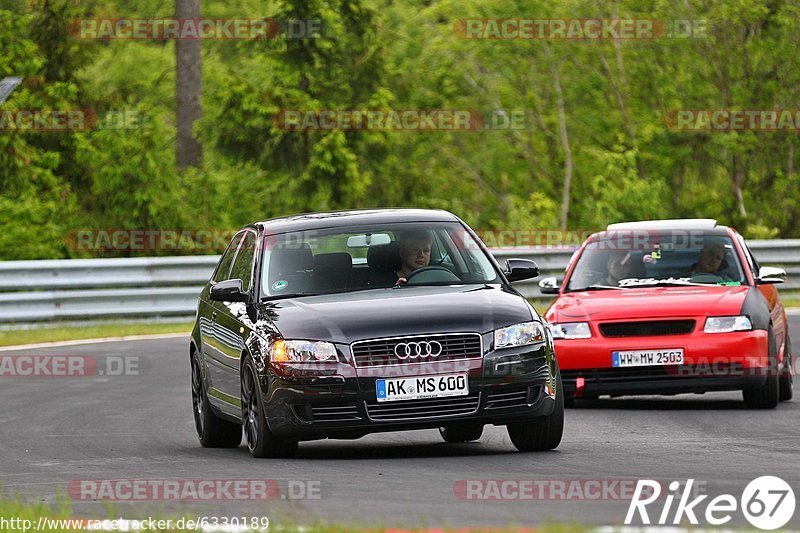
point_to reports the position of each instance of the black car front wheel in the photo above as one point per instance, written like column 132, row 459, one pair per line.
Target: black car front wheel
column 545, row 433
column 260, row 440
column 213, row 432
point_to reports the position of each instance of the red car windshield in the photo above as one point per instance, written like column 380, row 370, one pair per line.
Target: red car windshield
column 616, row 261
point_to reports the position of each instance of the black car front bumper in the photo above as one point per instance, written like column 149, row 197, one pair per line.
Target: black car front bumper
column 510, row 386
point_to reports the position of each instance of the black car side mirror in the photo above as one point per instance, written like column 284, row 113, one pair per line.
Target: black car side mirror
column 229, row 290
column 519, row 269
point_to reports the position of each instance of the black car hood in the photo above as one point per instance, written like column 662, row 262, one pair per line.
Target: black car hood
column 407, row 310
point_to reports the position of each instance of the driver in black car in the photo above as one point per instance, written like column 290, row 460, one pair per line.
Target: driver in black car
column 415, row 252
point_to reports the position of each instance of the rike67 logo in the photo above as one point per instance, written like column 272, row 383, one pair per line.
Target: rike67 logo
column 767, row 502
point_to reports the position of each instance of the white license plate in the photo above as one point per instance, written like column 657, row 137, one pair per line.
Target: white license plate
column 421, row 387
column 671, row 356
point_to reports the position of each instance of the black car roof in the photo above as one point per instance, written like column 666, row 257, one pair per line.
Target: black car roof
column 311, row 221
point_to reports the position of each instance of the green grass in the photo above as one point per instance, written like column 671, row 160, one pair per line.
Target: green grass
column 791, row 302
column 64, row 333
column 18, row 510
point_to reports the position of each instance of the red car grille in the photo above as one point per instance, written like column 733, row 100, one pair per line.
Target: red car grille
column 647, row 329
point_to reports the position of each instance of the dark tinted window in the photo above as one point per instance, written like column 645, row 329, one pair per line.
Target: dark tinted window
column 347, row 259
column 224, row 265
column 243, row 264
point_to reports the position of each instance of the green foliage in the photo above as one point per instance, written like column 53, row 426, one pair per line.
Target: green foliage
column 626, row 162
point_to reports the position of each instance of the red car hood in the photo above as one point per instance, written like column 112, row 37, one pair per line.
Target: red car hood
column 647, row 302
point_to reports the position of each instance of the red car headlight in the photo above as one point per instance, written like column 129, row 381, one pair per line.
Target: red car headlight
column 571, row 330
column 727, row 324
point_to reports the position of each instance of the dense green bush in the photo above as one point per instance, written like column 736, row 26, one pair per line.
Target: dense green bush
column 594, row 109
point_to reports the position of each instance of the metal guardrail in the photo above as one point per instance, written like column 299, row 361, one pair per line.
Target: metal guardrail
column 36, row 291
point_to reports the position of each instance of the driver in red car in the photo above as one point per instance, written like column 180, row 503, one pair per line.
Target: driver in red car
column 415, row 252
column 710, row 259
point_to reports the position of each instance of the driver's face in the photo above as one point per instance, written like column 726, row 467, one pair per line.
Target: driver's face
column 710, row 260
column 415, row 254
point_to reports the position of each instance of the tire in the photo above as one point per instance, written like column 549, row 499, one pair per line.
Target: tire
column 765, row 396
column 213, row 432
column 460, row 433
column 785, row 382
column 260, row 440
column 543, row 434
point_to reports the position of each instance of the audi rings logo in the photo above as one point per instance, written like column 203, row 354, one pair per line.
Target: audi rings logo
column 414, row 350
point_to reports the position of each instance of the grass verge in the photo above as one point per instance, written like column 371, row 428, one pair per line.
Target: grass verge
column 69, row 333
column 18, row 515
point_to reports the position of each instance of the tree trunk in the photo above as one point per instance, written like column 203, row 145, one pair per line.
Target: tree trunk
column 188, row 85
column 738, row 180
column 562, row 122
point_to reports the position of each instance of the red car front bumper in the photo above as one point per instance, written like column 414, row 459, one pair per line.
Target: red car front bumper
column 712, row 361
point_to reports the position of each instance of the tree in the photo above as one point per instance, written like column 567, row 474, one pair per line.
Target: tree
column 188, row 88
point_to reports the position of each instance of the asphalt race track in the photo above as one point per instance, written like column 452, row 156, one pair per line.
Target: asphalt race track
column 57, row 430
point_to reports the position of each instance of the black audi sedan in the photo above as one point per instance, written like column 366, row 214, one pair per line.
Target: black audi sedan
column 336, row 325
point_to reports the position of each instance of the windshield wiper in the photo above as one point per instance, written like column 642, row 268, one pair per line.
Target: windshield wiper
column 292, row 295
column 597, row 288
column 483, row 286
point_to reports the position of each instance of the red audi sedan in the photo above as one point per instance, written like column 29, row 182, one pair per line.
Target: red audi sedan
column 669, row 307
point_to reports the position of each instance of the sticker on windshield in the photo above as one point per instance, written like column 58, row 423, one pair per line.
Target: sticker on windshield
column 638, row 282
column 280, row 285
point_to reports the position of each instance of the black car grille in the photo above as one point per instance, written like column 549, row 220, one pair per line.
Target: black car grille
column 380, row 352
column 335, row 413
column 423, row 409
column 517, row 398
column 647, row 329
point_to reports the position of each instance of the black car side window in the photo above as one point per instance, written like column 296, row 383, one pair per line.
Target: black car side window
column 243, row 264
column 224, row 265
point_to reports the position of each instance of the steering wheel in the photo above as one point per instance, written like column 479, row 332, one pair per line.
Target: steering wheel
column 432, row 268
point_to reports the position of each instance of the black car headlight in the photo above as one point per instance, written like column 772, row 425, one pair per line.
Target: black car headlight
column 521, row 334
column 299, row 351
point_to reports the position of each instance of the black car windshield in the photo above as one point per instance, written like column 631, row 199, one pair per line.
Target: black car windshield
column 619, row 261
column 337, row 260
